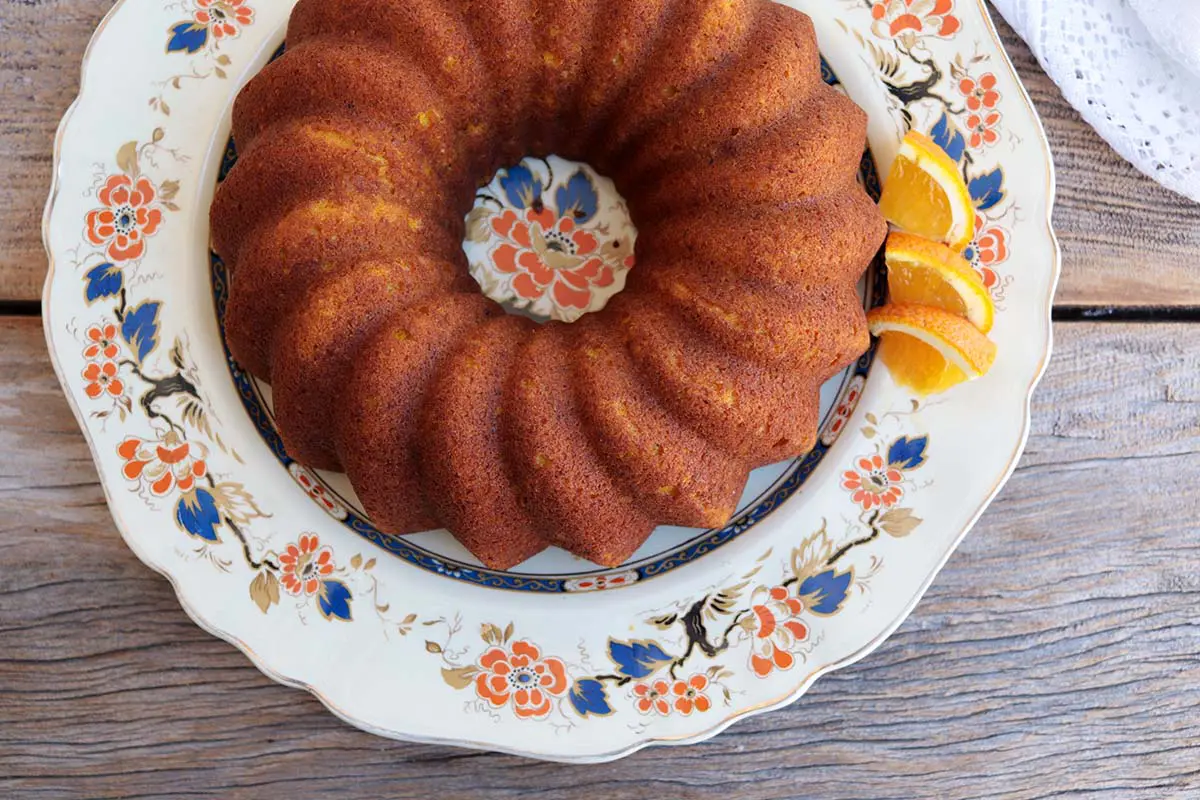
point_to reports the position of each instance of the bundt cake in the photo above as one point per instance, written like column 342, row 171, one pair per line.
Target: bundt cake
column 342, row 226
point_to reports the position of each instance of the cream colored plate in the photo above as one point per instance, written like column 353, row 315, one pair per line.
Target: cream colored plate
column 411, row 641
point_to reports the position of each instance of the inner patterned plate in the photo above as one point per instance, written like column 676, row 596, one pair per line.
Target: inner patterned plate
column 555, row 570
column 808, row 578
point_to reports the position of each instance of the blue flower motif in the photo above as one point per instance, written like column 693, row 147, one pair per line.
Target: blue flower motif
column 946, row 136
column 637, row 659
column 521, row 187
column 105, row 280
column 187, row 37
column 140, row 329
column 589, row 697
column 577, row 200
column 333, row 601
column 824, row 593
column 988, row 189
column 197, row 514
column 906, row 453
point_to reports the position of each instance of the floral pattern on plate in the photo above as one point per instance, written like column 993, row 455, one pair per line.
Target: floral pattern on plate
column 593, row 674
column 550, row 237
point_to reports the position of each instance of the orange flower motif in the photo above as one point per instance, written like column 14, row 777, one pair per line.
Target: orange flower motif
column 304, row 564
column 982, row 128
column 913, row 18
column 164, row 464
column 101, row 378
column 653, row 696
column 224, row 17
column 980, row 93
column 989, row 249
column 843, row 412
column 549, row 254
column 599, row 583
column 874, row 483
column 689, row 695
column 317, row 491
column 102, row 342
column 775, row 629
column 127, row 218
column 522, row 677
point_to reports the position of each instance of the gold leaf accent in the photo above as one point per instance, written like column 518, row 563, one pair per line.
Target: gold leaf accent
column 477, row 224
column 127, row 159
column 236, row 503
column 432, row 647
column 370, row 563
column 490, row 633
column 459, row 677
column 409, row 620
column 723, row 601
column 264, row 590
column 356, row 561
column 508, row 631
column 899, row 522
column 158, row 135
column 168, row 189
column 813, row 553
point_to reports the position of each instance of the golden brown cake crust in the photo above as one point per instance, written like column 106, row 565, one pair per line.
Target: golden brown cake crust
column 342, row 226
column 763, row 82
column 272, row 273
column 386, row 388
column 562, row 481
column 701, row 39
column 677, row 475
column 315, row 349
column 759, row 414
column 467, row 478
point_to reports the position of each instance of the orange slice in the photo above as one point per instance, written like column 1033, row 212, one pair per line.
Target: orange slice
column 929, row 349
column 930, row 273
column 925, row 194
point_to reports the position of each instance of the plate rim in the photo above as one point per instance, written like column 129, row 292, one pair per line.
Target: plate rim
column 804, row 680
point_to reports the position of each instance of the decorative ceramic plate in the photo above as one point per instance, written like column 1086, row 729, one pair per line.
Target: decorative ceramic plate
column 411, row 638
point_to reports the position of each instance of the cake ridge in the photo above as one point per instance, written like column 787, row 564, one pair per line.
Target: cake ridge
column 562, row 481
column 342, row 223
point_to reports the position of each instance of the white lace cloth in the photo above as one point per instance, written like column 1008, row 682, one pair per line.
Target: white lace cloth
column 1132, row 68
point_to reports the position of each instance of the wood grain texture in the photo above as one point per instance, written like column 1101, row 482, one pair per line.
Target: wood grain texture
column 41, row 49
column 1126, row 241
column 1058, row 654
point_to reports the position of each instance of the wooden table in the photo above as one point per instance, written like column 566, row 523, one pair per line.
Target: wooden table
column 1058, row 654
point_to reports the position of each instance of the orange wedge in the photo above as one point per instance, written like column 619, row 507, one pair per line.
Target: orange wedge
column 930, row 273
column 929, row 349
column 925, row 194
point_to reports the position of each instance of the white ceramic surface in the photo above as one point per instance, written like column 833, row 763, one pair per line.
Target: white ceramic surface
column 405, row 645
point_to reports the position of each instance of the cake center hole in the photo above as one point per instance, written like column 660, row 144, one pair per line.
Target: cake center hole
column 550, row 239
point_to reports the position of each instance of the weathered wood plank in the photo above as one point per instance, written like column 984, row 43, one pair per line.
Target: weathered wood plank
column 1126, row 241
column 41, row 48
column 1057, row 655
